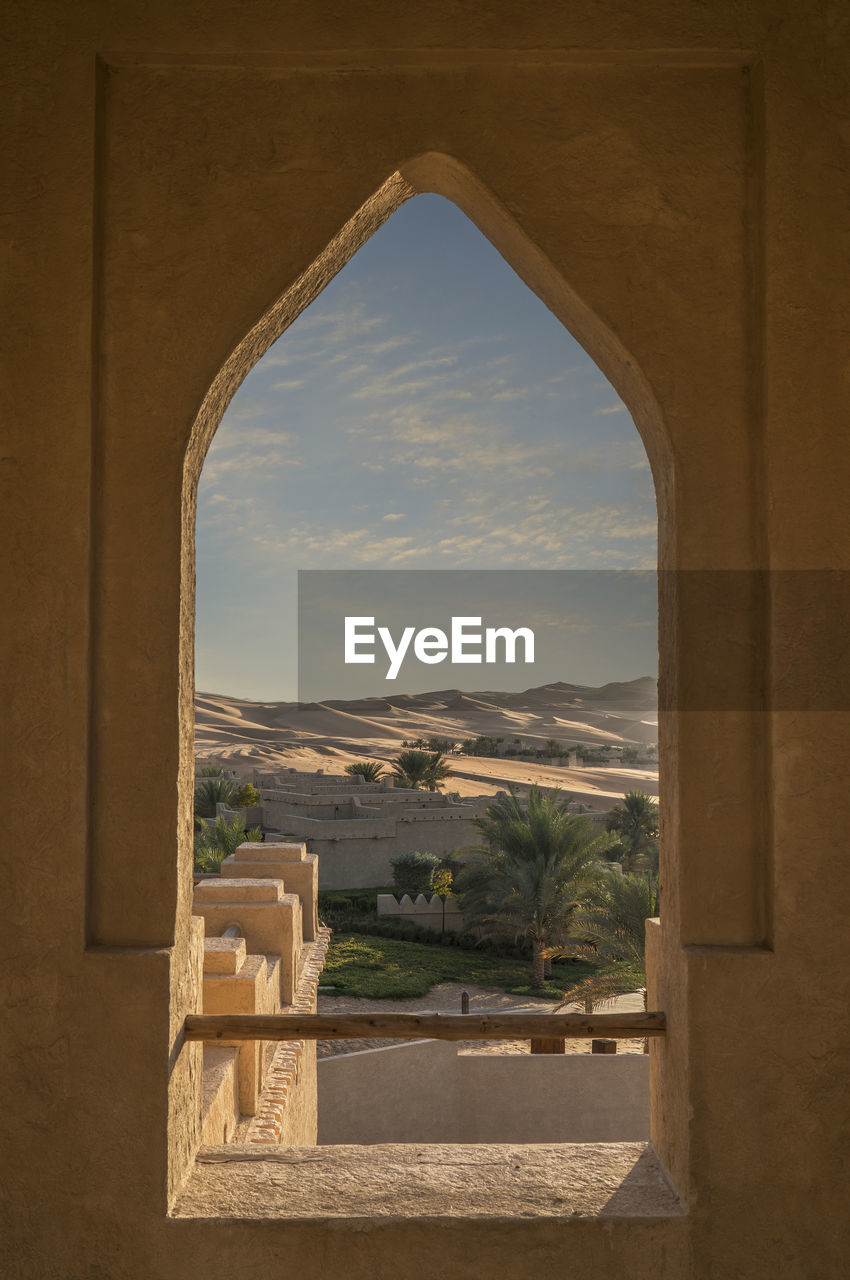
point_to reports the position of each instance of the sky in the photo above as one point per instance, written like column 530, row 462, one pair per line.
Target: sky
column 426, row 411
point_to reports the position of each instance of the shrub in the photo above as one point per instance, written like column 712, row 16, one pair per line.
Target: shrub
column 247, row 796
column 483, row 745
column 413, row 872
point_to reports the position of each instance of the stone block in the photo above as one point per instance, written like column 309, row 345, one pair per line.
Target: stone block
column 268, row 851
column 239, row 890
column 224, row 955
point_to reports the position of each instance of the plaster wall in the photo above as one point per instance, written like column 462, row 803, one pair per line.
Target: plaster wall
column 354, row 864
column 671, row 179
column 357, row 853
column 426, row 1091
column 430, row 913
column 221, row 1102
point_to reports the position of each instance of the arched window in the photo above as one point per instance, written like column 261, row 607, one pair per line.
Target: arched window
column 326, row 345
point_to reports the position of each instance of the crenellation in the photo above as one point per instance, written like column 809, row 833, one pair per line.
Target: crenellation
column 288, row 862
column 265, row 965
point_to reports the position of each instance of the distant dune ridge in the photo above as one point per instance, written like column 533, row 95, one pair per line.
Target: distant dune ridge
column 328, row 735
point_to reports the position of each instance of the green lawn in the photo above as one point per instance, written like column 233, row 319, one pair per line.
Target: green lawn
column 380, row 968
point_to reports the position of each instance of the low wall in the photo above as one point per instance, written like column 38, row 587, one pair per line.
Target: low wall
column 297, row 824
column 428, row 913
column 428, row 1092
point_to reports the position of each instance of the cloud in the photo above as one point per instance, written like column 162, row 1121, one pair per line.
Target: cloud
column 307, row 545
column 511, row 393
column 244, row 409
column 293, row 384
column 315, row 336
column 609, row 409
column 257, row 452
column 389, row 384
column 502, row 528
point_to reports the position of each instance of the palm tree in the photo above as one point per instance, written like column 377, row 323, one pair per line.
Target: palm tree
column 636, row 823
column 532, row 871
column 368, row 770
column 613, row 928
column 437, row 772
column 214, row 844
column 213, row 791
column 421, row 769
column 410, row 768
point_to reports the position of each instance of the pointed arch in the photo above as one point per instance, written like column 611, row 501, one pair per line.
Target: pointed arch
column 440, row 174
column 443, row 175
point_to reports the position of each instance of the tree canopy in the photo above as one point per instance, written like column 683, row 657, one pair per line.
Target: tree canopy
column 531, row 872
column 635, row 821
column 426, row 770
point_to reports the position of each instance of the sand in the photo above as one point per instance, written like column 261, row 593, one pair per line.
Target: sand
column 274, row 736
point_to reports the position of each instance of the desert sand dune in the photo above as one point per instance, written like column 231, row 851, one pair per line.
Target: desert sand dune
column 329, row 735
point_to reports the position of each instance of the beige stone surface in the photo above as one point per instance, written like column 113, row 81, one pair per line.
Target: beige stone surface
column 411, row 1181
column 239, row 889
column 671, row 179
column 289, row 863
column 272, row 851
column 269, row 918
column 224, row 955
column 220, row 1104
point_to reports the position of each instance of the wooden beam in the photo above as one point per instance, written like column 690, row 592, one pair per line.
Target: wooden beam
column 423, row 1026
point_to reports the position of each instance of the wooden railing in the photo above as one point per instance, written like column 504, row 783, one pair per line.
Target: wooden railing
column 422, row 1026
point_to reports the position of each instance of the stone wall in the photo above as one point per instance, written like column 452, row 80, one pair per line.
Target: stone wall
column 357, row 852
column 426, row 1091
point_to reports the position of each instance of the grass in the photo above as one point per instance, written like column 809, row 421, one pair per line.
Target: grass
column 385, row 968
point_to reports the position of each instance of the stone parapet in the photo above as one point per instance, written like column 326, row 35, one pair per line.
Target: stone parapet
column 268, row 916
column 287, row 862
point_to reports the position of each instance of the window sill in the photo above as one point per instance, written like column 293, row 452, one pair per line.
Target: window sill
column 408, row 1181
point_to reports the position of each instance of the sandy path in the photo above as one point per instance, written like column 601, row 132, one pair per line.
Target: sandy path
column 445, row 997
